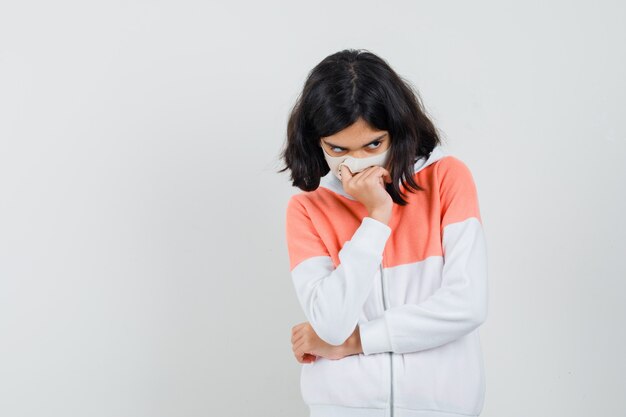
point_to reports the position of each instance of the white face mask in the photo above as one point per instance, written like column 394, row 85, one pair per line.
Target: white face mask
column 355, row 164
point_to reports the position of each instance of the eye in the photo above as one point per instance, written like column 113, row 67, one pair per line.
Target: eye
column 375, row 145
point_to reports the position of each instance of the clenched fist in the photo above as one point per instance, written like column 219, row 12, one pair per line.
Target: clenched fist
column 307, row 345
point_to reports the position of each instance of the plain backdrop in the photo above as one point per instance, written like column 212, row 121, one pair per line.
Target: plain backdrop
column 143, row 263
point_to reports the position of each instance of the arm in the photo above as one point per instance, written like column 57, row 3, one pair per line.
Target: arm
column 332, row 298
column 460, row 304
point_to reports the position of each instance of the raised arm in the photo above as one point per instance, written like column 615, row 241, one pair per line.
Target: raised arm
column 332, row 298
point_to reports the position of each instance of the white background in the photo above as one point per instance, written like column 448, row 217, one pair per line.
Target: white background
column 143, row 264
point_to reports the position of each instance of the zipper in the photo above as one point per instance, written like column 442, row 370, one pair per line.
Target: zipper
column 382, row 282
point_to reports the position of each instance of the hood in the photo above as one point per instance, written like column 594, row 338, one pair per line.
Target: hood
column 333, row 183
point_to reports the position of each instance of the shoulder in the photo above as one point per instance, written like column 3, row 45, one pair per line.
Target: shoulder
column 457, row 191
column 302, row 235
column 300, row 199
column 299, row 204
column 294, row 204
column 451, row 166
column 318, row 199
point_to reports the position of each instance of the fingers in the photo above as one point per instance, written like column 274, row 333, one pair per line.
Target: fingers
column 306, row 358
column 373, row 173
column 345, row 172
column 298, row 327
column 300, row 344
column 296, row 337
column 300, row 348
column 383, row 174
column 296, row 333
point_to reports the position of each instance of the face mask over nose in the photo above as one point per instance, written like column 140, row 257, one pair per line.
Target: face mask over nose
column 355, row 164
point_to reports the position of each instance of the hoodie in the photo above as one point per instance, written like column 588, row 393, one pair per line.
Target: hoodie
column 416, row 288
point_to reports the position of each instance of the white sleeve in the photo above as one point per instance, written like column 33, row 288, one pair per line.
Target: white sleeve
column 332, row 298
column 455, row 309
column 460, row 304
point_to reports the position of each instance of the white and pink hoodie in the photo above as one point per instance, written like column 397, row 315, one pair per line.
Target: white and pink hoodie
column 417, row 289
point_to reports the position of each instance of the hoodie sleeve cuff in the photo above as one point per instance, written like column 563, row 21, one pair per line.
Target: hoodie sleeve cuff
column 375, row 336
column 371, row 234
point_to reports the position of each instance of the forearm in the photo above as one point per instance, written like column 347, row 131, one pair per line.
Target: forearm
column 352, row 345
column 332, row 297
column 458, row 307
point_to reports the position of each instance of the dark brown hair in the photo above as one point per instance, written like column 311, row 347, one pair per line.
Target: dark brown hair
column 343, row 87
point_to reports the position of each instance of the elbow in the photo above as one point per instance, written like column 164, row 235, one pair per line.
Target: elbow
column 332, row 332
column 478, row 315
column 334, row 326
column 334, row 339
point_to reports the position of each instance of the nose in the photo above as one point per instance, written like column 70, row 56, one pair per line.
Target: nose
column 358, row 154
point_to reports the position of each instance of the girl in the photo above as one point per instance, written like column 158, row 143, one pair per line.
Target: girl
column 386, row 248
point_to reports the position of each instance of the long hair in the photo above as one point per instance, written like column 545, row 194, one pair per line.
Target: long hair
column 343, row 87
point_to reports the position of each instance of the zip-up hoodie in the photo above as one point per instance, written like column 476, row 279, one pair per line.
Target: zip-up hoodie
column 416, row 288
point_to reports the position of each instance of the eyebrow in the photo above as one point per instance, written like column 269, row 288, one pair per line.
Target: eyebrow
column 367, row 144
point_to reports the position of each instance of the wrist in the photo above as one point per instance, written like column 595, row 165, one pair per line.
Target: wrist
column 382, row 215
column 352, row 346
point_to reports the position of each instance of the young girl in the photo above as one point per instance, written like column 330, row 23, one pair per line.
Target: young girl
column 386, row 247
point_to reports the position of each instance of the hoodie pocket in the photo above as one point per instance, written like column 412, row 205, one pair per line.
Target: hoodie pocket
column 353, row 381
column 449, row 378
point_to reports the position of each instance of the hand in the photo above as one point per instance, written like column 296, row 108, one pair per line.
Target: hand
column 307, row 345
column 368, row 187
